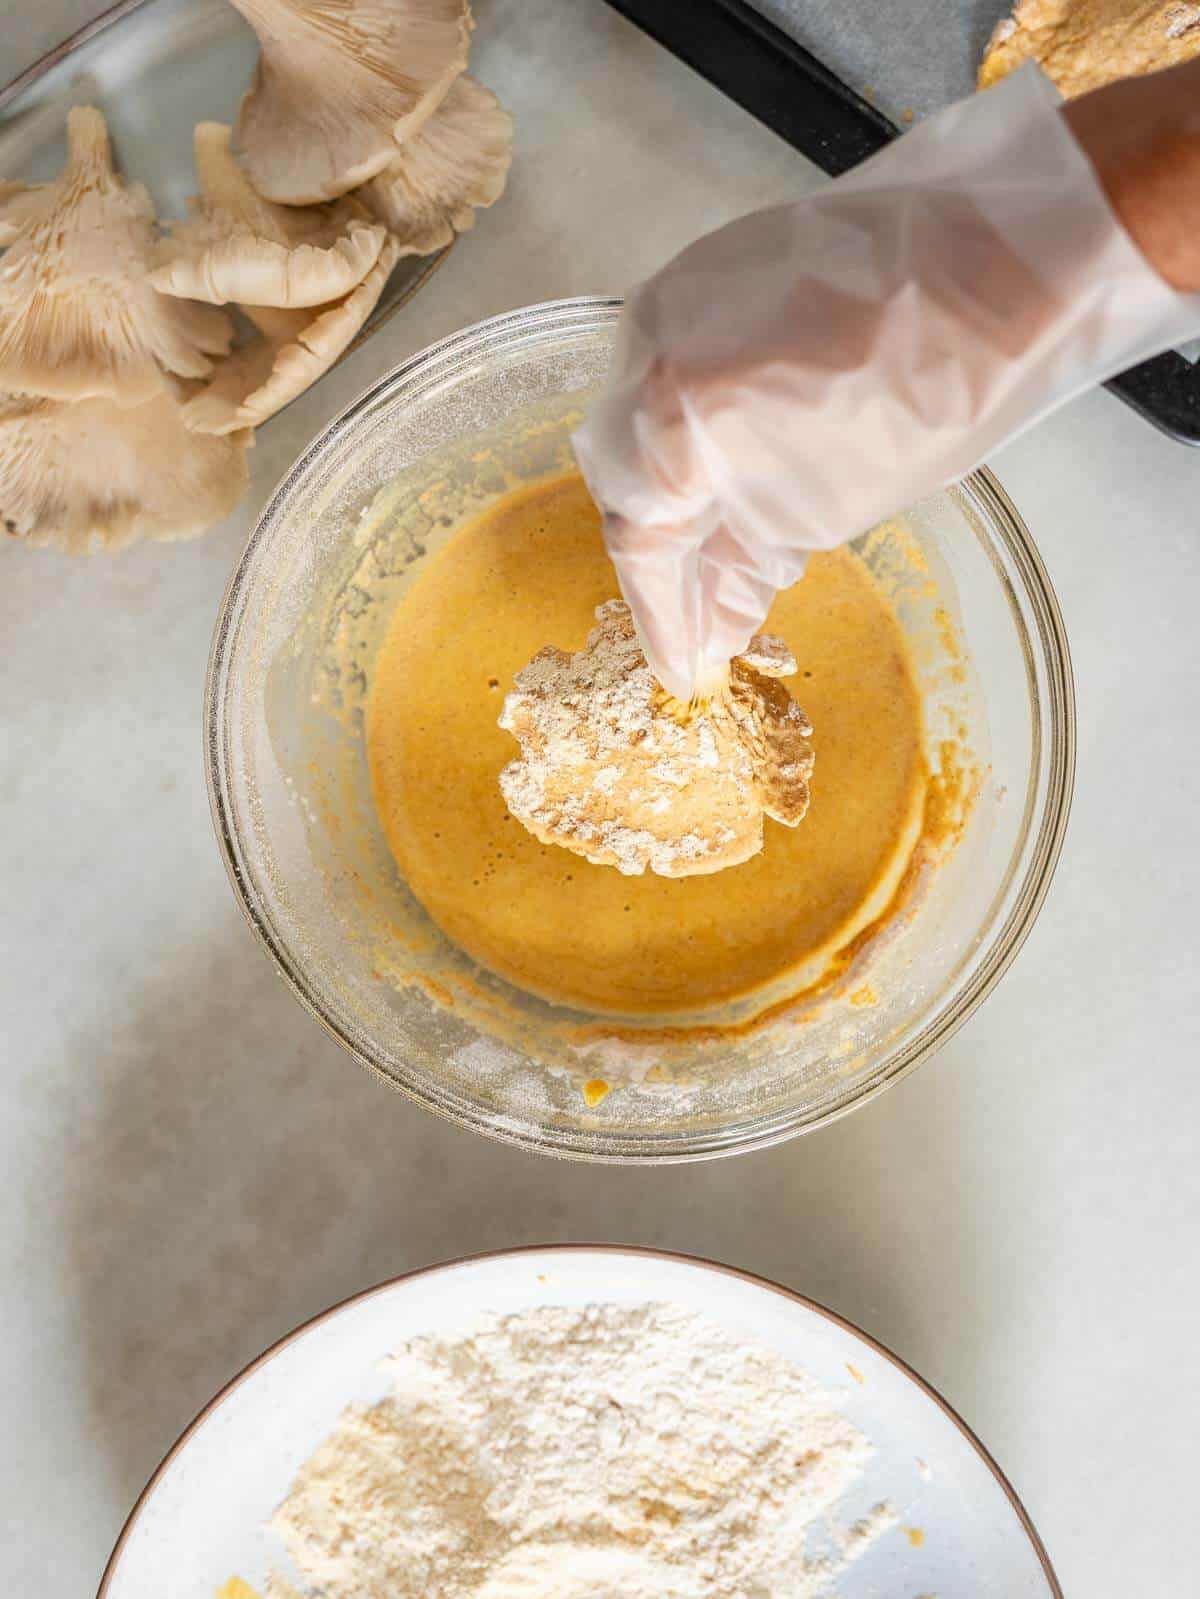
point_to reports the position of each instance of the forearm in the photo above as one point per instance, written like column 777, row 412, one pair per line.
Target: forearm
column 1142, row 136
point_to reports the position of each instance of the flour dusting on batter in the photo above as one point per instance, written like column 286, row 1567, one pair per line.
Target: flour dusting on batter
column 615, row 770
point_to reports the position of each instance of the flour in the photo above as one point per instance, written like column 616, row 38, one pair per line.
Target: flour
column 1181, row 19
column 629, row 1452
column 616, row 771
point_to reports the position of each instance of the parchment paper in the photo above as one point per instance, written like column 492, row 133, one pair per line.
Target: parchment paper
column 909, row 57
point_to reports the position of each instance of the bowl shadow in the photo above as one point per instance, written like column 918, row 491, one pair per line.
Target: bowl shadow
column 240, row 1173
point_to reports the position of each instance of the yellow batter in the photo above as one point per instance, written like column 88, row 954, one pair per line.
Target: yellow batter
column 530, row 571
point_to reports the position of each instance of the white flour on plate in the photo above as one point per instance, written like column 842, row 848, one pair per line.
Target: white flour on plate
column 629, row 1452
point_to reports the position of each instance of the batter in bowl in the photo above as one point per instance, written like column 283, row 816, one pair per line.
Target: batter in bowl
column 531, row 570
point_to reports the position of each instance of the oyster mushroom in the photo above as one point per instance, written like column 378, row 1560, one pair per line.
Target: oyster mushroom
column 338, row 84
column 78, row 317
column 457, row 161
column 296, row 348
column 15, row 202
column 93, row 473
column 242, row 247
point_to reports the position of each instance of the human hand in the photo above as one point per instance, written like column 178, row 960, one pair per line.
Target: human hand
column 804, row 372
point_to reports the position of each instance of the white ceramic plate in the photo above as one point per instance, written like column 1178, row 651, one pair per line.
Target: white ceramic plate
column 201, row 1518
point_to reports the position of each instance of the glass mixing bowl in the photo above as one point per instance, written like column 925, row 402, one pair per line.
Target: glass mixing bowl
column 291, row 660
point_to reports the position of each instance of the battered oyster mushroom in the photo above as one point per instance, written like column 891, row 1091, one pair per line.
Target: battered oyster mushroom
column 338, row 84
column 298, row 346
column 614, row 770
column 1084, row 44
column 93, row 473
column 457, row 161
column 242, row 247
column 78, row 316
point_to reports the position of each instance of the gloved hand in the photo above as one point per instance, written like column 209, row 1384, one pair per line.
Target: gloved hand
column 791, row 379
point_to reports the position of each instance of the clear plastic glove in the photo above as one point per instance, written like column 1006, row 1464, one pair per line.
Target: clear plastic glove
column 791, row 379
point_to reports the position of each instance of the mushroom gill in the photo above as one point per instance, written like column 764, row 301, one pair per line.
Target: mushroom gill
column 296, row 348
column 458, row 160
column 95, row 474
column 242, row 247
column 16, row 202
column 78, row 317
column 338, row 83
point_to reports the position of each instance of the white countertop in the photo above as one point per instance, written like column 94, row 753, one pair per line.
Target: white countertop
column 191, row 1167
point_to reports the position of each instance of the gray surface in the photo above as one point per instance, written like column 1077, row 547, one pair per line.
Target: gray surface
column 191, row 1167
column 909, row 56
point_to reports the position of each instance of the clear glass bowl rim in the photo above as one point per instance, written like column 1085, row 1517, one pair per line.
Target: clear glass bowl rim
column 1035, row 862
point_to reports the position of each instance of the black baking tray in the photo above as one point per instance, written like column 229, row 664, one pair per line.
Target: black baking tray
column 785, row 86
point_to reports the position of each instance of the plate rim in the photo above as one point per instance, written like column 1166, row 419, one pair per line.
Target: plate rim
column 643, row 1251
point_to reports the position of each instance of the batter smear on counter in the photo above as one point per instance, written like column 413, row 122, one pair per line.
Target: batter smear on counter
column 532, row 570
